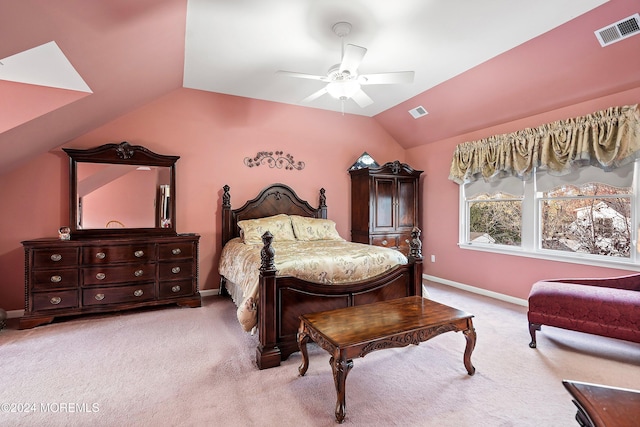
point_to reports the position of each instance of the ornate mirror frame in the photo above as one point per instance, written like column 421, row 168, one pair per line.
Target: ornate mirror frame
column 121, row 154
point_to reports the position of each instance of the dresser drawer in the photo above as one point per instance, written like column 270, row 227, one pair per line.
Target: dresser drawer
column 118, row 274
column 55, row 257
column 54, row 279
column 118, row 253
column 118, row 294
column 176, row 250
column 54, row 300
column 176, row 288
column 175, row 270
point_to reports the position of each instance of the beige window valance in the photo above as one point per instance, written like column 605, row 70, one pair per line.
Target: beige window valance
column 608, row 139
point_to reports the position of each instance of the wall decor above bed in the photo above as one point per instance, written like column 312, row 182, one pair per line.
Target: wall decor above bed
column 275, row 159
column 272, row 267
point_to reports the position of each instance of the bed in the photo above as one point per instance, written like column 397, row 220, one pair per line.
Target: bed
column 280, row 298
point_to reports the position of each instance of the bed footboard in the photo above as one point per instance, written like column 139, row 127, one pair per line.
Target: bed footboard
column 284, row 299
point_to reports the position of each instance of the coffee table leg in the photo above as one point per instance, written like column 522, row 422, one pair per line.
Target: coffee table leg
column 303, row 339
column 340, row 369
column 470, row 335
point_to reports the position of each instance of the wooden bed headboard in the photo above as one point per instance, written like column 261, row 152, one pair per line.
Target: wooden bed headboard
column 274, row 199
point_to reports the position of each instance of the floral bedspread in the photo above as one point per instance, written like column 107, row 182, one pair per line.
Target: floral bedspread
column 323, row 261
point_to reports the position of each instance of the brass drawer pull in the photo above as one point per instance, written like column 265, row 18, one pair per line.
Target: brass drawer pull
column 138, row 292
column 56, row 279
column 139, row 254
column 99, row 297
column 384, row 242
column 100, row 276
column 138, row 273
column 56, row 257
column 55, row 300
column 175, row 288
column 101, row 255
column 176, row 251
column 175, row 270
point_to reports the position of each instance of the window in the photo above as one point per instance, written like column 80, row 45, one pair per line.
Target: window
column 587, row 215
column 494, row 212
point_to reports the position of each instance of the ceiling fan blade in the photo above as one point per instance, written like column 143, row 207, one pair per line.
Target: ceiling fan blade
column 362, row 99
column 386, row 78
column 301, row 75
column 352, row 58
column 315, row 95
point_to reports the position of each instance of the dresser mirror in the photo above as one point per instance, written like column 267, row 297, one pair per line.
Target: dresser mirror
column 121, row 189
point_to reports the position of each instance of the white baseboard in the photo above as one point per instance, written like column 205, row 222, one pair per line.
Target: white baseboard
column 12, row 314
column 214, row 292
column 480, row 291
column 210, row 292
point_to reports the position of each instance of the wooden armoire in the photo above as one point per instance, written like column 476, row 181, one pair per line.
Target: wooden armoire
column 385, row 205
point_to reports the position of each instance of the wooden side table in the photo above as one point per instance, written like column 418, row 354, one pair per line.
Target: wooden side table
column 604, row 406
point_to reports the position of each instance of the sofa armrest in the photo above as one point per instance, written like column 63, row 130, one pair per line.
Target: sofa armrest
column 630, row 282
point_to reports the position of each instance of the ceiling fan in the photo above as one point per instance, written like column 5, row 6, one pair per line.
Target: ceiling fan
column 343, row 81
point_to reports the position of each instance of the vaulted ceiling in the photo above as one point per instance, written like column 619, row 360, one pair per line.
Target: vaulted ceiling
column 68, row 66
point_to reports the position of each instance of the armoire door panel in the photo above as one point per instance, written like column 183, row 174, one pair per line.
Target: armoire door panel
column 406, row 204
column 384, row 203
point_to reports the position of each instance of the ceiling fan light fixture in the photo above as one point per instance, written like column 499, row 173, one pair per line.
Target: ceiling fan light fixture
column 343, row 89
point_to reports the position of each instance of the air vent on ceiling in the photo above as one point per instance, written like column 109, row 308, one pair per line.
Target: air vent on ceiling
column 620, row 30
column 418, row 112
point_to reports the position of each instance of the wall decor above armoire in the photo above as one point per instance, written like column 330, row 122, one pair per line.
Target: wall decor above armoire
column 275, row 159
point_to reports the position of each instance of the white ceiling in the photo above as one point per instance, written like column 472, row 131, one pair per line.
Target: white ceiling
column 236, row 47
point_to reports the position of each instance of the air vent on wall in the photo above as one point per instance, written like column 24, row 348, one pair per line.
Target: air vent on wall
column 620, row 30
column 418, row 112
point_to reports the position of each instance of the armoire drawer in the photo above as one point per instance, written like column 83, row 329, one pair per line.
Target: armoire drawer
column 386, row 240
column 54, row 300
column 118, row 274
column 54, row 279
column 118, row 253
column 118, row 294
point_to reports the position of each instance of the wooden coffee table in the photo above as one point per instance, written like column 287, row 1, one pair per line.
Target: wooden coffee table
column 351, row 332
column 603, row 406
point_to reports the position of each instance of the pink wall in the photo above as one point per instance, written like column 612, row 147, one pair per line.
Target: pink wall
column 506, row 274
column 212, row 134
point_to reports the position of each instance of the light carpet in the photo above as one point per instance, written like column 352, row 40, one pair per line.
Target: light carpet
column 195, row 367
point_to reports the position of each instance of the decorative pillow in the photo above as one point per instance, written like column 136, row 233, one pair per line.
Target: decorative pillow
column 308, row 229
column 252, row 230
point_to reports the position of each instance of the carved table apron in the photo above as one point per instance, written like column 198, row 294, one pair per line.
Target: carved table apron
column 352, row 332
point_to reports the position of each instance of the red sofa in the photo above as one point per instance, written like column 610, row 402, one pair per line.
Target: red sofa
column 609, row 307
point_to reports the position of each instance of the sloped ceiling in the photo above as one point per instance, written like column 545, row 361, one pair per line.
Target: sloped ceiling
column 485, row 62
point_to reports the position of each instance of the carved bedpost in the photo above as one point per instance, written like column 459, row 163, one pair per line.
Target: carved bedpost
column 268, row 355
column 267, row 254
column 227, row 232
column 415, row 244
column 415, row 258
column 322, row 205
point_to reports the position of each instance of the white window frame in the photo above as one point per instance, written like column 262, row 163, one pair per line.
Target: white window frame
column 530, row 245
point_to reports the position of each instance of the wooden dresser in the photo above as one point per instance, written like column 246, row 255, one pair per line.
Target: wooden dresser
column 385, row 205
column 65, row 278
